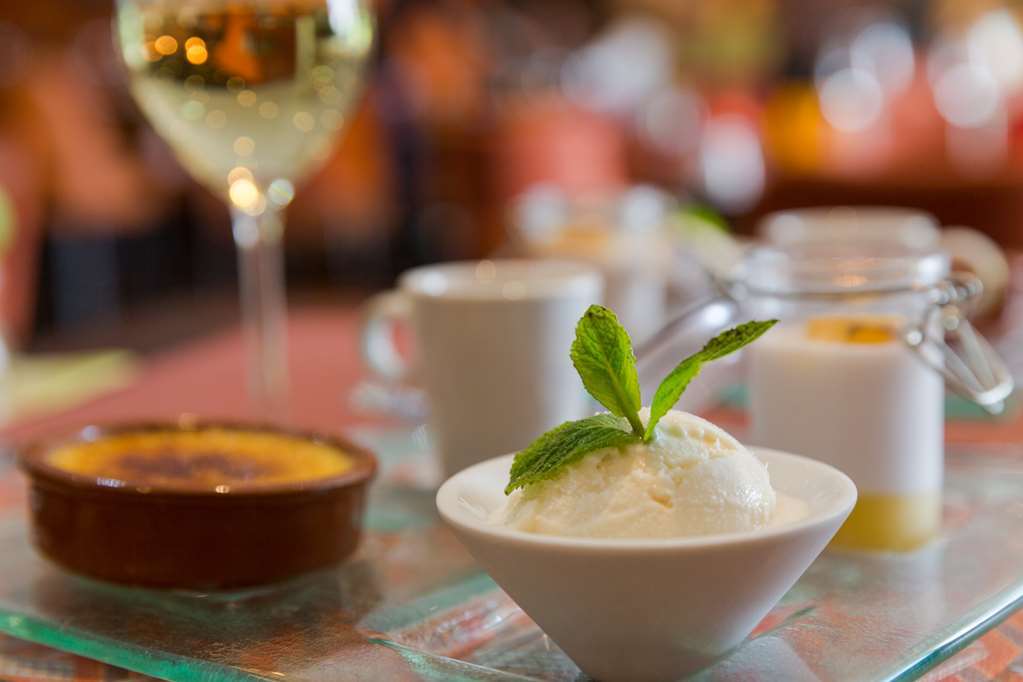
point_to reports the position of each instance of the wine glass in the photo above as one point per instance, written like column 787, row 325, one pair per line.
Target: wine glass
column 249, row 94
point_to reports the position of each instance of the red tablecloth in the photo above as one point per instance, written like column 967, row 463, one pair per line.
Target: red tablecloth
column 208, row 379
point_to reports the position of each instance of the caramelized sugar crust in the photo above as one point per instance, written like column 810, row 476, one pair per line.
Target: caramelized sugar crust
column 209, row 459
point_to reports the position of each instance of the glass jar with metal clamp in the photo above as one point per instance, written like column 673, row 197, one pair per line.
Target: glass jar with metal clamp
column 854, row 374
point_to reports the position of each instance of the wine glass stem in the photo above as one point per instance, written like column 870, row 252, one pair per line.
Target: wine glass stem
column 264, row 308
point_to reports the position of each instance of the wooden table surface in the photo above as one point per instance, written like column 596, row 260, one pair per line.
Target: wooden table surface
column 207, row 378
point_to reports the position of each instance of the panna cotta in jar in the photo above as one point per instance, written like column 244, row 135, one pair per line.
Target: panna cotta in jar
column 847, row 391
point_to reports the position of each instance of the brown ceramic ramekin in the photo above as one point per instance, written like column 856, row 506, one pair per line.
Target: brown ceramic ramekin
column 175, row 538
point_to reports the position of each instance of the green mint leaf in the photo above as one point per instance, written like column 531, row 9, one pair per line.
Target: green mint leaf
column 565, row 444
column 670, row 390
column 675, row 383
column 727, row 342
column 602, row 354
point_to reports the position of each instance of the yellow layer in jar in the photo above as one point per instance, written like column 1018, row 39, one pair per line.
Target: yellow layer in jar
column 891, row 522
column 204, row 459
column 857, row 329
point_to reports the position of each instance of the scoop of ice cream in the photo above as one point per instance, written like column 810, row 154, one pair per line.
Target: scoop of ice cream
column 692, row 479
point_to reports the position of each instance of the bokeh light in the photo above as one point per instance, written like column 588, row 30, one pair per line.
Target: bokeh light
column 621, row 68
column 851, row 99
column 281, row 192
column 195, row 50
column 247, row 98
column 967, row 95
column 165, row 45
column 670, row 120
column 885, row 50
column 244, row 145
column 995, row 42
column 245, row 195
column 732, row 162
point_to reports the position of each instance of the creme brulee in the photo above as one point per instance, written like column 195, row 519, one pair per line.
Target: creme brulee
column 208, row 459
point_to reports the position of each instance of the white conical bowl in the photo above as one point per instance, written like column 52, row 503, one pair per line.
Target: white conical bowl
column 648, row 609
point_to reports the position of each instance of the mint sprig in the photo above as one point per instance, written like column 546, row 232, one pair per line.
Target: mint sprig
column 566, row 444
column 673, row 385
column 602, row 354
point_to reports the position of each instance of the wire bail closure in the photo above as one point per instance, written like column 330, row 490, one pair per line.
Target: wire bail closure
column 976, row 371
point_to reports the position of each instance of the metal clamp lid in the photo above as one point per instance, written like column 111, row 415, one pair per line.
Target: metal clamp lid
column 975, row 371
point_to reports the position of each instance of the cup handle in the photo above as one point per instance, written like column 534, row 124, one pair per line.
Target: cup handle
column 383, row 312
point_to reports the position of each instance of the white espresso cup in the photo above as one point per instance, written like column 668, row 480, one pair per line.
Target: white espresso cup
column 490, row 348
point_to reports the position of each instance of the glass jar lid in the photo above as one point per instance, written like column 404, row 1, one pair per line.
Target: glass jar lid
column 838, row 269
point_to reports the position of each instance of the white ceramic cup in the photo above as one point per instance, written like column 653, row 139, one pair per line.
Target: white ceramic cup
column 491, row 346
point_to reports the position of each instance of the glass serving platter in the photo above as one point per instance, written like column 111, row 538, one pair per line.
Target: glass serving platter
column 412, row 605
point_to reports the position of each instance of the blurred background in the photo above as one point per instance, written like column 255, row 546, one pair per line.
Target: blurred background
column 481, row 119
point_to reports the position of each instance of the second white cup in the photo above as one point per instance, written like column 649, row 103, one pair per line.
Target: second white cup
column 491, row 350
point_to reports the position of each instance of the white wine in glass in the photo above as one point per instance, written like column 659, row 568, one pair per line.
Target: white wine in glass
column 250, row 94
